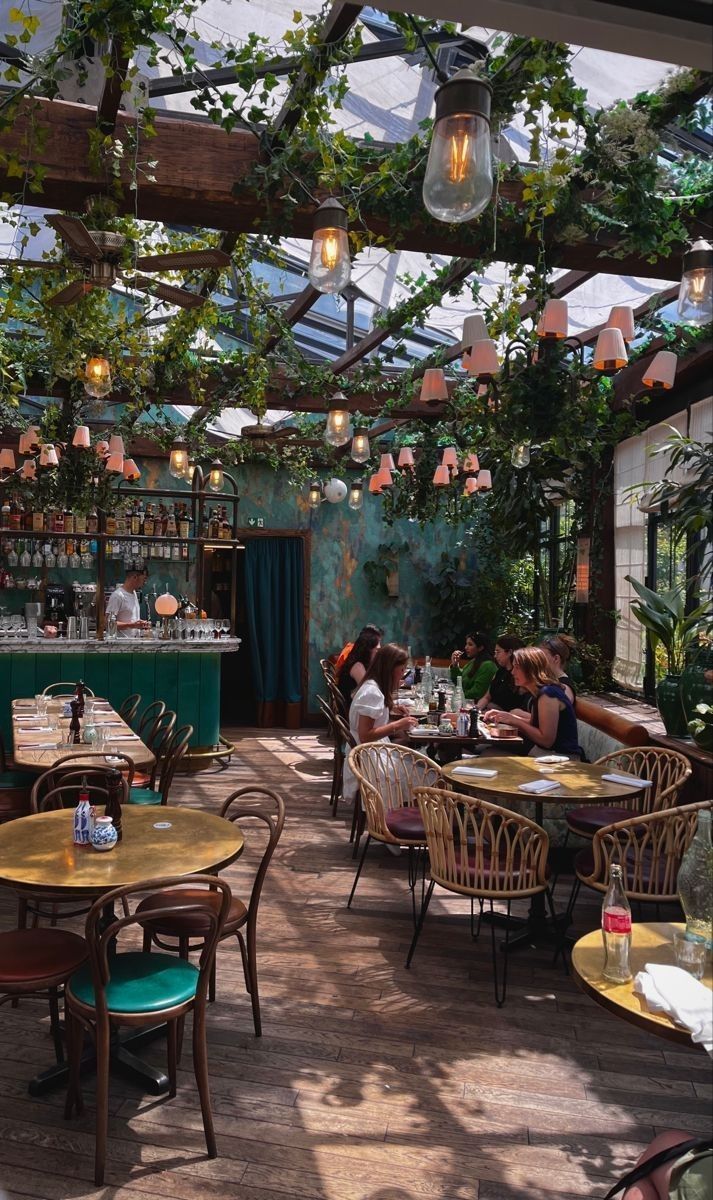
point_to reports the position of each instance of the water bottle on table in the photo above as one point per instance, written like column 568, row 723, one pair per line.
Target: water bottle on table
column 616, row 929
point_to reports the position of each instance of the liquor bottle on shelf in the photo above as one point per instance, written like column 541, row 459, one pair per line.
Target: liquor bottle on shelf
column 176, row 552
column 225, row 529
column 93, row 520
column 120, row 520
column 171, row 529
column 68, row 521
column 110, row 524
column 58, row 521
column 136, row 519
column 5, row 513
column 80, row 523
column 27, row 520
column 183, row 523
column 14, row 515
column 148, row 529
column 38, row 521
column 214, row 524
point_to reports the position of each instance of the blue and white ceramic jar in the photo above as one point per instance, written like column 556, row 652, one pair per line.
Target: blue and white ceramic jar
column 104, row 835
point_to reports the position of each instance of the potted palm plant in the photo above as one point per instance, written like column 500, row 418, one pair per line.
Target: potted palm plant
column 667, row 624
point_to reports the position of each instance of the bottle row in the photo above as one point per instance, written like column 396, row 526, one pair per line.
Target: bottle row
column 129, row 519
column 79, row 553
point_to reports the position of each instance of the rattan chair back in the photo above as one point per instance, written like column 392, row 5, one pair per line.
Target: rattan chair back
column 667, row 769
column 388, row 776
column 649, row 848
column 480, row 849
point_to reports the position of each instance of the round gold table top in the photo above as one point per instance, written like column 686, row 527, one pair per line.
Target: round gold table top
column 650, row 942
column 578, row 782
column 37, row 853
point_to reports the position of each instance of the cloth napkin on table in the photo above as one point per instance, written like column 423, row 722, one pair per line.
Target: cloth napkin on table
column 539, row 785
column 36, row 745
column 630, row 779
column 481, row 772
column 685, row 999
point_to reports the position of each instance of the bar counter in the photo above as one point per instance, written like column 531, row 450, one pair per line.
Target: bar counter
column 184, row 674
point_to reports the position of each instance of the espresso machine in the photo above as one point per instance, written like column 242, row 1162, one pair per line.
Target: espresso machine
column 85, row 599
column 55, row 605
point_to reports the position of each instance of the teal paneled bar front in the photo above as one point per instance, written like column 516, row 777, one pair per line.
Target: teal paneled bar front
column 186, row 678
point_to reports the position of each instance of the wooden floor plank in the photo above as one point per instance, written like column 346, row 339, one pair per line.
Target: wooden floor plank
column 370, row 1082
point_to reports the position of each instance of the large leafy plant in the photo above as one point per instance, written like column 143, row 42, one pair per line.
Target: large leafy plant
column 667, row 624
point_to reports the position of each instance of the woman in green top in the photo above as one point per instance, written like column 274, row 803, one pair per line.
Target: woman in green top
column 475, row 668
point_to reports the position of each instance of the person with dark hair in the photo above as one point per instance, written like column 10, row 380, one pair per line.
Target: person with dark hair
column 124, row 603
column 358, row 661
column 559, row 648
column 552, row 724
column 502, row 692
column 370, row 712
column 346, row 650
column 477, row 670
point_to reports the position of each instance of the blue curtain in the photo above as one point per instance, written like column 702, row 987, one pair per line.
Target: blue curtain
column 274, row 572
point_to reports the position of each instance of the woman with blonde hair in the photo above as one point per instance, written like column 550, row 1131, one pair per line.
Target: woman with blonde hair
column 552, row 724
column 559, row 648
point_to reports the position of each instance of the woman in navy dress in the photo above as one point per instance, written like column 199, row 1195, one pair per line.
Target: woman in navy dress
column 552, row 724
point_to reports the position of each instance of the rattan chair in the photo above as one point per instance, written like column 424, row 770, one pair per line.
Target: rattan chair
column 484, row 852
column 387, row 776
column 136, row 989
column 668, row 771
column 241, row 921
column 648, row 847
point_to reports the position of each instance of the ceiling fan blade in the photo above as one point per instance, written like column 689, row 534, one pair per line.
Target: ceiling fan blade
column 75, row 233
column 35, row 264
column 164, row 291
column 67, row 295
column 183, row 260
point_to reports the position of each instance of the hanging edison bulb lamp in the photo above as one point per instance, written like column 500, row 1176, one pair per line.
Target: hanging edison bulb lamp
column 215, row 476
column 178, row 459
column 520, row 457
column 361, row 449
column 695, row 298
column 330, row 266
column 458, row 183
column 337, row 430
column 97, row 377
column 190, row 471
column 356, row 496
column 314, row 496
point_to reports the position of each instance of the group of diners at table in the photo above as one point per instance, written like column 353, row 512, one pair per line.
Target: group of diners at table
column 157, row 877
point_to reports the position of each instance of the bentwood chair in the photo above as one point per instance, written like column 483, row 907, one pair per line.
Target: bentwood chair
column 667, row 771
column 388, row 776
column 188, row 930
column 327, row 669
column 133, row 988
column 65, row 776
column 172, row 752
column 14, row 789
column 483, row 852
column 649, row 848
column 40, row 960
column 68, row 689
column 156, row 735
column 129, row 707
column 152, row 711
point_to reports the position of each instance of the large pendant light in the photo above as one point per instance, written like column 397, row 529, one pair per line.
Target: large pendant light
column 458, row 183
column 330, row 266
column 97, row 377
column 695, row 298
column 337, row 431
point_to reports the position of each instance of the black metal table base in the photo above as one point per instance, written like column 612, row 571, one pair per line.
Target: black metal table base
column 122, row 1062
column 536, row 929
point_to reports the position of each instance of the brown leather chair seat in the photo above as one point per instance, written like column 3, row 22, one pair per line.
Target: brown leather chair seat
column 588, row 819
column 406, row 823
column 39, row 958
column 190, row 924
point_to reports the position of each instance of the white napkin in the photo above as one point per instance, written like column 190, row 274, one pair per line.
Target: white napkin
column 627, row 779
column 540, row 785
column 685, row 999
column 483, row 772
column 123, row 737
column 36, row 745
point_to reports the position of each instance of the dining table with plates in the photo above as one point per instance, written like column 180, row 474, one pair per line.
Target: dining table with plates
column 40, row 732
column 39, row 859
column 549, row 779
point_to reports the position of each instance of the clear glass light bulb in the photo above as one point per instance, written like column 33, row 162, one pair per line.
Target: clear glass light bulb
column 695, row 299
column 337, row 431
column 215, row 477
column 356, row 498
column 178, row 461
column 361, row 449
column 97, row 377
column 330, row 266
column 520, row 456
column 314, row 497
column 458, row 183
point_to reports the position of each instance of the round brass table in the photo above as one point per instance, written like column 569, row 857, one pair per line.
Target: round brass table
column 37, row 853
column 578, row 783
column 649, row 943
column 38, row 857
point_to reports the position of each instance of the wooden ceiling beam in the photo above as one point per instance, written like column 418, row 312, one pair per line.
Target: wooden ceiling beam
column 199, row 166
column 113, row 90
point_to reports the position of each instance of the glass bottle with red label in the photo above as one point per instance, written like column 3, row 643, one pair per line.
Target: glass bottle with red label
column 616, row 929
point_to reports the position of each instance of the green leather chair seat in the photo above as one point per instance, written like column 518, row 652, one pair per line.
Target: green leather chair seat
column 144, row 796
column 140, row 983
column 16, row 779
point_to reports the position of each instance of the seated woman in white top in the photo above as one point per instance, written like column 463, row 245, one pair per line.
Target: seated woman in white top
column 372, row 705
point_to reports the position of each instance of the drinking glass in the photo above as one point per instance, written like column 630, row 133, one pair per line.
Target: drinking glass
column 226, row 626
column 100, row 739
column 691, row 956
column 41, row 704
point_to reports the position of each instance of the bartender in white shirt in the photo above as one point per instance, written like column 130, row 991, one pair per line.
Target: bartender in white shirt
column 124, row 603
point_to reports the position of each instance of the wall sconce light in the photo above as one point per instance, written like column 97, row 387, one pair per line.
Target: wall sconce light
column 29, row 469
column 374, row 485
column 622, row 317
column 48, row 456
column 483, row 360
column 441, row 476
column 314, row 496
column 484, row 481
column 474, row 330
column 7, row 460
column 470, row 463
column 610, row 351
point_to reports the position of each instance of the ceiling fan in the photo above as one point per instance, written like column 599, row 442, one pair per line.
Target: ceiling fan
column 261, row 437
column 98, row 254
